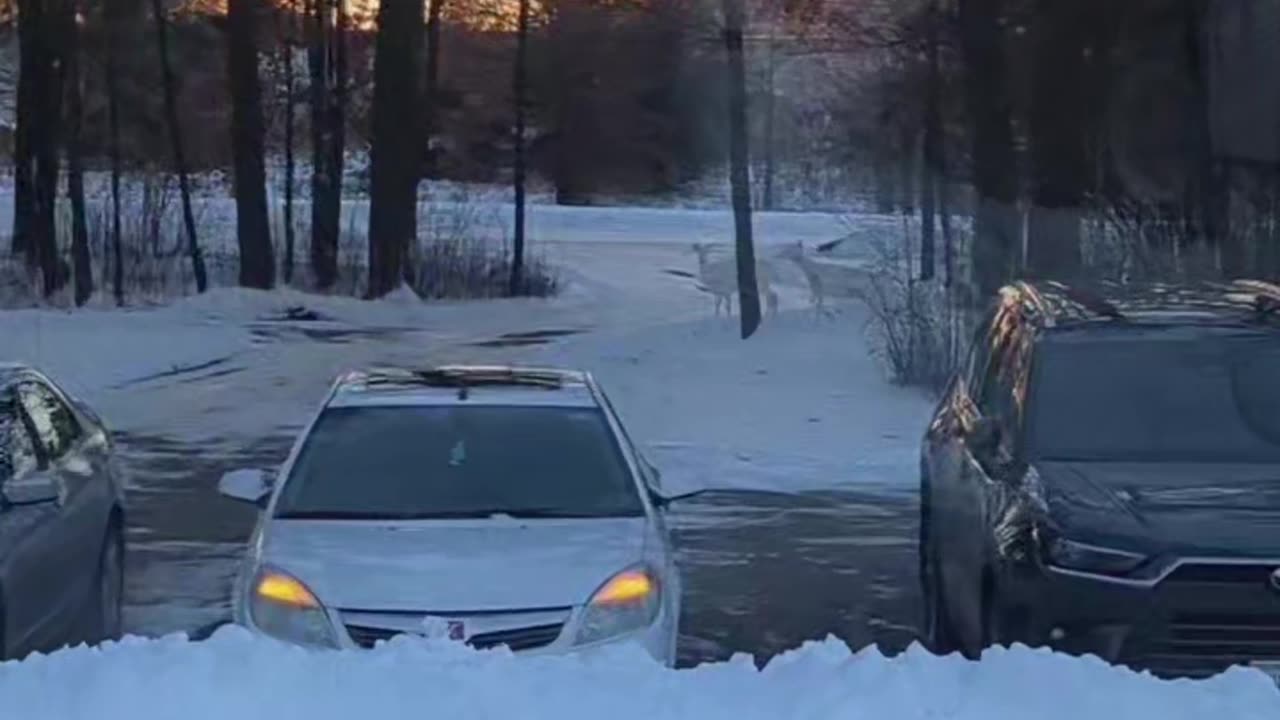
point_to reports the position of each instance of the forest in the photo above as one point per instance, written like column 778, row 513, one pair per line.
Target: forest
column 1023, row 138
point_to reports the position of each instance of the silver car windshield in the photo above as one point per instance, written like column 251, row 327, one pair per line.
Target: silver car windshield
column 416, row 462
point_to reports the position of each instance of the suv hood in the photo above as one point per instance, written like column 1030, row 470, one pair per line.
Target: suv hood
column 454, row 566
column 1208, row 509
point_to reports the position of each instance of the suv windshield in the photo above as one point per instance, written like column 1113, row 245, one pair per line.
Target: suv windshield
column 1158, row 396
column 449, row 461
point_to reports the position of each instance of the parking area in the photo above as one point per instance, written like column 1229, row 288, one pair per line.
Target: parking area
column 763, row 571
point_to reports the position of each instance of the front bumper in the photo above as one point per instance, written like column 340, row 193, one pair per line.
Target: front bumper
column 1195, row 618
column 532, row 632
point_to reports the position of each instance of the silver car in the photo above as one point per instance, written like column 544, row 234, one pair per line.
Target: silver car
column 61, row 519
column 491, row 506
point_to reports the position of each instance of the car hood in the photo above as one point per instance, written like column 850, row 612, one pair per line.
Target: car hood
column 454, row 566
column 1182, row 508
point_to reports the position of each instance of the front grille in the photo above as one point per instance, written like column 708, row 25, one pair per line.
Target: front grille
column 1205, row 643
column 1223, row 574
column 528, row 638
column 517, row 639
column 367, row 637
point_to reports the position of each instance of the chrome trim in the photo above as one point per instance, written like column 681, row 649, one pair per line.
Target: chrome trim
column 1101, row 549
column 476, row 623
column 1169, row 568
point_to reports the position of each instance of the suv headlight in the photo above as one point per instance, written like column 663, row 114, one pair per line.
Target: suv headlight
column 628, row 602
column 1072, row 555
column 282, row 607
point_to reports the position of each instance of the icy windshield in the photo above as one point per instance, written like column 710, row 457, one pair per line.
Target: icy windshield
column 1212, row 398
column 449, row 461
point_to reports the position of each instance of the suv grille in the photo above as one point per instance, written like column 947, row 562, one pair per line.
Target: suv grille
column 367, row 637
column 1257, row 574
column 517, row 639
column 1203, row 643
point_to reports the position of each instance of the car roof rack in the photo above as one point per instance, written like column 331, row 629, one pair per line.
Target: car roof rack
column 1051, row 302
column 1266, row 296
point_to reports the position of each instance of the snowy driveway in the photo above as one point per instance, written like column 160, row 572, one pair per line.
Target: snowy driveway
column 763, row 571
column 812, row 531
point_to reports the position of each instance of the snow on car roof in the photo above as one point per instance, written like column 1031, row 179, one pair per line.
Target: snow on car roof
column 469, row 384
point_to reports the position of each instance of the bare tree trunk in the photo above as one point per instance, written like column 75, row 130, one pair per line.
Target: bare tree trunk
column 337, row 123
column 29, row 82
column 1212, row 182
column 995, row 176
column 253, row 226
column 46, row 167
column 112, row 9
column 430, row 163
column 739, row 168
column 1061, row 171
column 290, row 106
column 520, row 83
column 324, row 249
column 395, row 155
column 929, row 176
column 36, row 163
column 82, row 264
column 169, row 83
column 328, row 81
column 770, row 111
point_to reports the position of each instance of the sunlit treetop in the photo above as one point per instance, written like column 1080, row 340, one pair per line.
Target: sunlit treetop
column 480, row 14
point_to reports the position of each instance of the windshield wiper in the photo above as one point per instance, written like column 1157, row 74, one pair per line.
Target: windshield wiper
column 335, row 515
column 568, row 514
column 517, row 514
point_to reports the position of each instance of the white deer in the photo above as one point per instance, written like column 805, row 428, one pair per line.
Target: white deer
column 720, row 278
column 812, row 276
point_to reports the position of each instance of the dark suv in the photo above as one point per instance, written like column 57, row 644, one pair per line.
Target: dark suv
column 1103, row 476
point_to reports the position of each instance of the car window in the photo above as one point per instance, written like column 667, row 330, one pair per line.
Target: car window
column 459, row 461
column 18, row 454
column 993, row 401
column 646, row 469
column 1158, row 396
column 978, row 359
column 53, row 420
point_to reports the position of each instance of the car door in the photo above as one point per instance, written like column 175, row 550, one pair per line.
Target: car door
column 23, row 592
column 67, row 548
column 982, row 478
column 947, row 464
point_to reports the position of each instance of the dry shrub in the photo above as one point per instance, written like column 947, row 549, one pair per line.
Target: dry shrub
column 912, row 324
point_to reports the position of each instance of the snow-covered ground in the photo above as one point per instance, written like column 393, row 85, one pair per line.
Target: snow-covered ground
column 235, row 676
column 485, row 213
column 798, row 408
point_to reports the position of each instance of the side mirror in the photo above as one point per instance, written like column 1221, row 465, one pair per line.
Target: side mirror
column 251, row 486
column 35, row 489
column 654, row 473
column 984, row 437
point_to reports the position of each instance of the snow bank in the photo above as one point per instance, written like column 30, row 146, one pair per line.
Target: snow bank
column 91, row 351
column 237, row 676
column 95, row 350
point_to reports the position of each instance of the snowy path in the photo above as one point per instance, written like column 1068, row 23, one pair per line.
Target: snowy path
column 225, row 380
